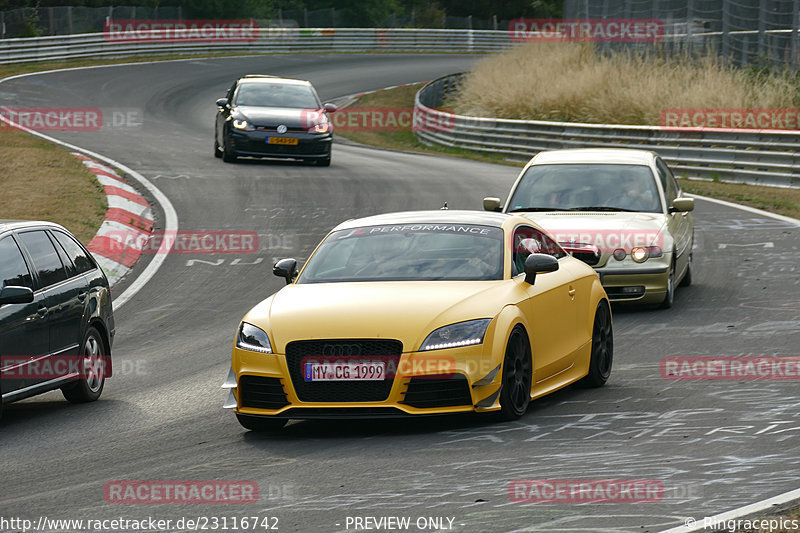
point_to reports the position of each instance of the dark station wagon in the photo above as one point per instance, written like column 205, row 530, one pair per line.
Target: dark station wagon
column 56, row 319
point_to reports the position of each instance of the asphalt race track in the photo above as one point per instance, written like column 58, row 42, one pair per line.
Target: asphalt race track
column 714, row 445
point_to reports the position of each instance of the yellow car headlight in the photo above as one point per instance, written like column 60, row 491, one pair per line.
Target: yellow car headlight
column 455, row 335
column 252, row 338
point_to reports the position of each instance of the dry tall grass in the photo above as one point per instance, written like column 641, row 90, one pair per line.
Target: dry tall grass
column 572, row 82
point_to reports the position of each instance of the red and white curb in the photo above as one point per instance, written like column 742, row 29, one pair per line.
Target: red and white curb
column 127, row 226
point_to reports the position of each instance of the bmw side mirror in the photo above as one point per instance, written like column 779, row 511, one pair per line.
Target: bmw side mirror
column 330, row 108
column 222, row 102
column 490, row 203
column 682, row 205
column 285, row 268
column 15, row 295
column 539, row 264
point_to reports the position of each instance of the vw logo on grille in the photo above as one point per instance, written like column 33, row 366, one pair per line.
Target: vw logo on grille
column 282, row 128
column 341, row 349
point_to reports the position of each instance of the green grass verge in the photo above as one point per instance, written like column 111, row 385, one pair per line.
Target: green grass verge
column 42, row 181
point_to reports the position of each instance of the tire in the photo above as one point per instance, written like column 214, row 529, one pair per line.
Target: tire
column 687, row 278
column 669, row 298
column 261, row 424
column 515, row 393
column 326, row 162
column 217, row 151
column 90, row 385
column 228, row 155
column 602, row 356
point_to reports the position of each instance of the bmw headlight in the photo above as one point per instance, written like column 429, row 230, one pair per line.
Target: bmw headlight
column 640, row 255
column 455, row 335
column 242, row 124
column 253, row 339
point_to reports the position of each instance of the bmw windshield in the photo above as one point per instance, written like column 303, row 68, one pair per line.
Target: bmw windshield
column 408, row 252
column 585, row 187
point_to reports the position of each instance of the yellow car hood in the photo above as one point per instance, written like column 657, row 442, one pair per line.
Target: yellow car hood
column 404, row 310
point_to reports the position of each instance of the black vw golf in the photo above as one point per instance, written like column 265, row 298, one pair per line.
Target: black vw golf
column 56, row 321
column 267, row 116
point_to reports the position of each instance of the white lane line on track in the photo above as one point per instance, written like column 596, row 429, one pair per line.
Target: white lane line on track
column 749, row 209
column 170, row 215
column 716, row 522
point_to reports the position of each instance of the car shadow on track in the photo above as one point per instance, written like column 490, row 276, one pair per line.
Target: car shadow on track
column 273, row 162
column 300, row 430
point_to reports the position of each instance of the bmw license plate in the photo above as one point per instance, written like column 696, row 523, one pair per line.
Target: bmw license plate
column 282, row 140
column 345, row 371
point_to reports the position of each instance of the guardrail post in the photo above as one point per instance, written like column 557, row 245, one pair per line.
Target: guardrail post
column 689, row 25
column 762, row 29
column 2, row 24
column 726, row 29
column 51, row 23
column 69, row 20
column 305, row 17
column 795, row 29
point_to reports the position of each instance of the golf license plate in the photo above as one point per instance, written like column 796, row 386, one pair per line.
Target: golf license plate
column 345, row 371
column 282, row 140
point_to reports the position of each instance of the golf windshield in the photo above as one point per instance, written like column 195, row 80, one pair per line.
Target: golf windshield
column 277, row 95
column 585, row 187
column 408, row 252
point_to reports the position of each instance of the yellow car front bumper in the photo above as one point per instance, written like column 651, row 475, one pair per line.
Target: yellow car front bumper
column 454, row 380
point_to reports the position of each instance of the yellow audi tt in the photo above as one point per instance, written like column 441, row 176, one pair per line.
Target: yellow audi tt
column 421, row 313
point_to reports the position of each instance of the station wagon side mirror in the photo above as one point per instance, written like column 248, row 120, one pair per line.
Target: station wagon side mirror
column 222, row 102
column 285, row 268
column 330, row 108
column 682, row 205
column 15, row 295
column 539, row 264
column 491, row 203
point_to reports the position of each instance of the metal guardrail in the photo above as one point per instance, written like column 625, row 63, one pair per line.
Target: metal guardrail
column 267, row 40
column 747, row 157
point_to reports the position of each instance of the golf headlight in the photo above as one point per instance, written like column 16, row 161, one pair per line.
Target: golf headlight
column 455, row 335
column 321, row 127
column 242, row 124
column 253, row 339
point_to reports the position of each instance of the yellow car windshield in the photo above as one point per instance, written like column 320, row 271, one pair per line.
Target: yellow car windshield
column 408, row 252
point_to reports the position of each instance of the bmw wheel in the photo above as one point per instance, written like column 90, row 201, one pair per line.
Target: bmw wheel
column 515, row 393
column 669, row 298
column 602, row 348
column 92, row 357
column 687, row 278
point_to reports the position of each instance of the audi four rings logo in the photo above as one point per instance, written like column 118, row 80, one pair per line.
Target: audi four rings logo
column 282, row 128
column 341, row 349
